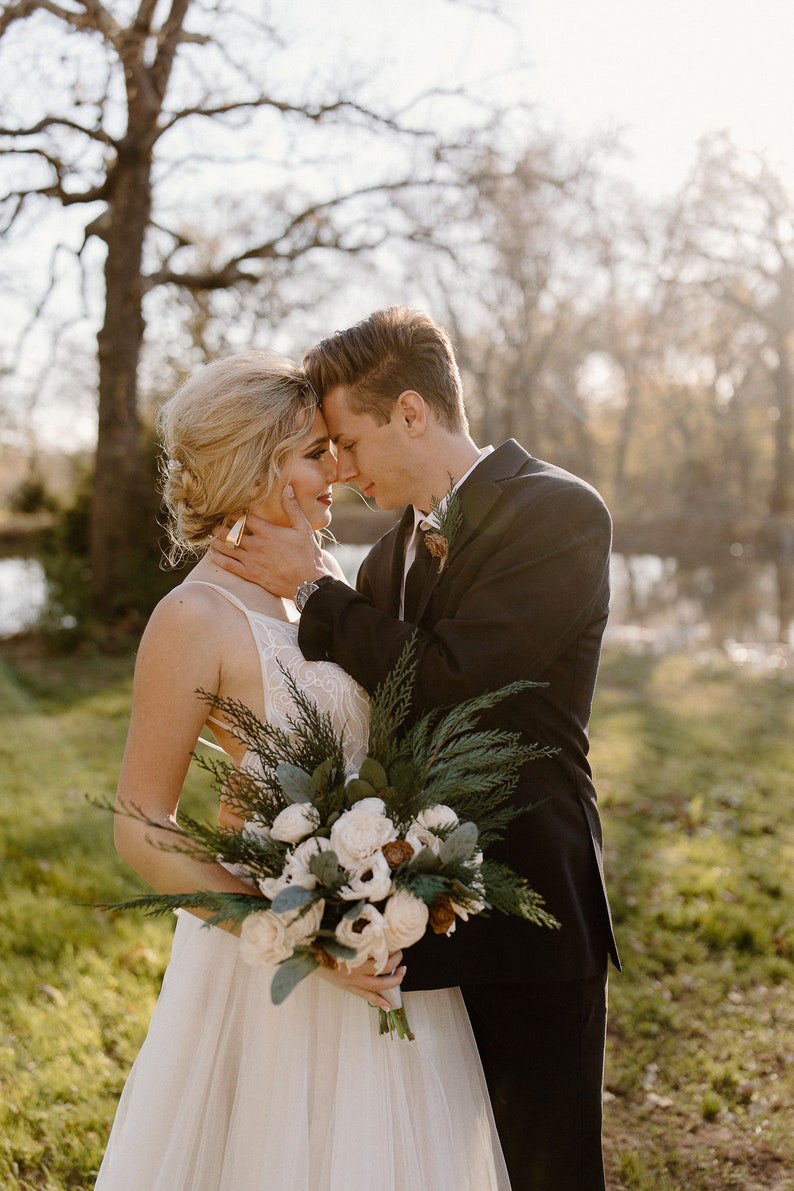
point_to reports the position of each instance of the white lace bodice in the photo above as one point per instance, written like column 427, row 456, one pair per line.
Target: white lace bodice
column 333, row 690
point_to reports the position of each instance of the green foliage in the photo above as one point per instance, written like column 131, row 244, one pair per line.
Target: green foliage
column 68, row 619
column 446, row 758
column 291, row 972
column 390, row 707
column 312, row 745
column 31, row 496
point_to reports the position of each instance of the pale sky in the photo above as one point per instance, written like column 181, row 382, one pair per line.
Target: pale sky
column 669, row 72
column 664, row 71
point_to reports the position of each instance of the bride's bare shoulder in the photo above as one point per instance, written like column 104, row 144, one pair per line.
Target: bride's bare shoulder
column 191, row 607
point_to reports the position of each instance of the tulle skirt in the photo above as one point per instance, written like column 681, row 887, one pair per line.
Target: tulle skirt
column 232, row 1093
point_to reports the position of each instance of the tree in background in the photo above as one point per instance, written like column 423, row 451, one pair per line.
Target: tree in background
column 197, row 148
column 738, row 245
column 517, row 291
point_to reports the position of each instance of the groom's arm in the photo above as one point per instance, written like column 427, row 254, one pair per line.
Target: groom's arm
column 531, row 591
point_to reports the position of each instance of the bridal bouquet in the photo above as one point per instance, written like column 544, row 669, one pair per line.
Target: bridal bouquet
column 350, row 867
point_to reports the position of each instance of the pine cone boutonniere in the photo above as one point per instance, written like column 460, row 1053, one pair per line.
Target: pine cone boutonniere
column 447, row 517
column 438, row 546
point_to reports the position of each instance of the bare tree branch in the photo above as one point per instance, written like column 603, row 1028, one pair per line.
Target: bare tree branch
column 47, row 122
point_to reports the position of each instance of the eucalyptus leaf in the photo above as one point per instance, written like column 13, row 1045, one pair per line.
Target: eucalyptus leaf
column 373, row 772
column 295, row 782
column 290, row 973
column 339, row 950
column 291, row 898
column 459, row 844
column 425, row 861
column 325, row 866
column 355, row 910
column 322, row 774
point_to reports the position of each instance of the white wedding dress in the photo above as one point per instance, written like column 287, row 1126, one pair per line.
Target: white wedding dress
column 232, row 1093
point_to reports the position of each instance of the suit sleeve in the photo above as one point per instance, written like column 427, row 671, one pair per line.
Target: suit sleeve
column 518, row 595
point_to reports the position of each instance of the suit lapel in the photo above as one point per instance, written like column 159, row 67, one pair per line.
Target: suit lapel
column 479, row 494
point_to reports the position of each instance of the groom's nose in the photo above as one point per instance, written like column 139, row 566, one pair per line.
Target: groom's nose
column 346, row 470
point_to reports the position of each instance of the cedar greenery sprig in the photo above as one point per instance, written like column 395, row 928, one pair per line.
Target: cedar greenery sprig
column 447, row 515
column 445, row 758
column 390, row 706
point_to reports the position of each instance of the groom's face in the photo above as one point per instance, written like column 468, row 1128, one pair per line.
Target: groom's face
column 372, row 455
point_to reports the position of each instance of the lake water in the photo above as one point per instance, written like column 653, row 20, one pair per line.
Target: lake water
column 744, row 608
column 22, row 594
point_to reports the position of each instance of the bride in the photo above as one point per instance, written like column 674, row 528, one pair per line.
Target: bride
column 230, row 1092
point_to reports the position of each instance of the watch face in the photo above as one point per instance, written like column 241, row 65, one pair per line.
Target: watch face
column 303, row 593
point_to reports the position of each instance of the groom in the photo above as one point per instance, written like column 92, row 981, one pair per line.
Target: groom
column 522, row 594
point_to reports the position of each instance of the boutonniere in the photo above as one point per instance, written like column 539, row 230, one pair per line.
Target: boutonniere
column 447, row 516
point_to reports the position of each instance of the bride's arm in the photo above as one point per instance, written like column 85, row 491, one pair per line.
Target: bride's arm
column 176, row 657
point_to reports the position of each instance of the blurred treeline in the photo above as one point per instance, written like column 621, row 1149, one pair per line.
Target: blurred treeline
column 646, row 345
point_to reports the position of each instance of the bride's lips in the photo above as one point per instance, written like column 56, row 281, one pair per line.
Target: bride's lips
column 326, row 499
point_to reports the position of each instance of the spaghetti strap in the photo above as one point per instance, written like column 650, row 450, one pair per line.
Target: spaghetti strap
column 233, row 599
column 212, row 719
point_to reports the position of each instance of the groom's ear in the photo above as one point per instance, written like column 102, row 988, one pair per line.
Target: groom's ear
column 410, row 410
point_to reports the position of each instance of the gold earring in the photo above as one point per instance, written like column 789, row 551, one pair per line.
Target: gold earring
column 235, row 534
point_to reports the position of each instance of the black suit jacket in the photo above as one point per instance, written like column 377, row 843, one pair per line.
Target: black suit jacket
column 524, row 594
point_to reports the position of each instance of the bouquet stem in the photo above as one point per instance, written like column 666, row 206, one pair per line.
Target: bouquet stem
column 395, row 1020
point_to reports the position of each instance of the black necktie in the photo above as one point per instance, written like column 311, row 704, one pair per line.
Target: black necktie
column 415, row 579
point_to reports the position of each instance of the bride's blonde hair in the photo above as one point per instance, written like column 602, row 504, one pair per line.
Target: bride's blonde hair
column 229, row 427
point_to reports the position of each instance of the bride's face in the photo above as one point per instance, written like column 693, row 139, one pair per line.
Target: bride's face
column 311, row 469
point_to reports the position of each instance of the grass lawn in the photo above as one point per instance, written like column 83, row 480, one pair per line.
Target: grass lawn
column 695, row 769
column 696, row 773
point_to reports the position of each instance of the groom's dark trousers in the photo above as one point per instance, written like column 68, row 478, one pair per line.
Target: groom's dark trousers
column 524, row 594
column 542, row 1049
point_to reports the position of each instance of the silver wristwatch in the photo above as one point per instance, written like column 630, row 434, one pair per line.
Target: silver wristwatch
column 306, row 589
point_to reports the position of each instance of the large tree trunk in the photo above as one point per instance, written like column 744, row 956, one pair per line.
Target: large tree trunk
column 118, row 537
column 114, row 526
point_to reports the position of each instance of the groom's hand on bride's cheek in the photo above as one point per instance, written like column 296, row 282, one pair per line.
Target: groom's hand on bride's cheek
column 278, row 558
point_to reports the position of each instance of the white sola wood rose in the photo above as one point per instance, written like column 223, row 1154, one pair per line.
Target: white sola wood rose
column 295, row 822
column 406, row 919
column 361, row 831
column 293, row 873
column 367, row 936
column 268, row 938
column 263, row 939
column 425, row 827
column 303, row 926
column 438, row 816
column 371, row 879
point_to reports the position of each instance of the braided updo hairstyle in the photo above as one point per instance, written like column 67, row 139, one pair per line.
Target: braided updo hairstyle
column 228, row 427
